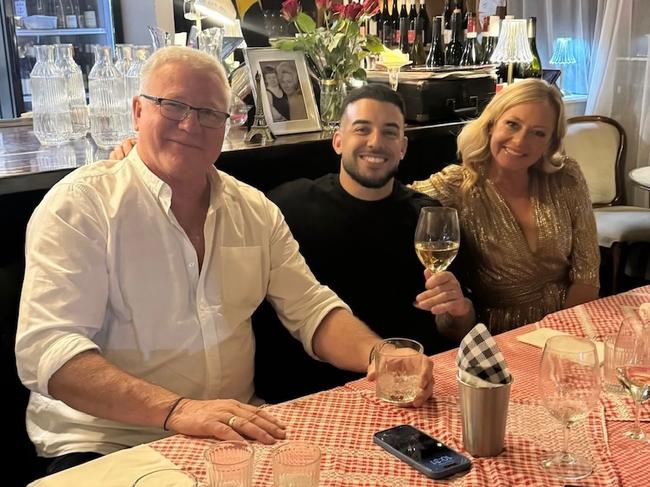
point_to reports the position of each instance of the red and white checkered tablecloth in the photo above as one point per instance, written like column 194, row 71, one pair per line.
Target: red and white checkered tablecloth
column 342, row 421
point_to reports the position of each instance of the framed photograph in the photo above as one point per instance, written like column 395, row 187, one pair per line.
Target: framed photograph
column 286, row 91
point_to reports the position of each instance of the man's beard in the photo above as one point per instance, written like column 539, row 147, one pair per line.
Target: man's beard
column 371, row 182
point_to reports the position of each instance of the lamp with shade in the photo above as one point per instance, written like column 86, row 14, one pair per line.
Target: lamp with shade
column 562, row 57
column 512, row 46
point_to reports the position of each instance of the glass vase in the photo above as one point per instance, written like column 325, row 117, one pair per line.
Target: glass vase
column 332, row 93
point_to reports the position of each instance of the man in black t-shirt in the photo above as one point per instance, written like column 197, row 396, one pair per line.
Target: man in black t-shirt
column 355, row 230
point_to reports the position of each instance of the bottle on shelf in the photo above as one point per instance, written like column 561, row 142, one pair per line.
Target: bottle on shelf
column 423, row 16
column 90, row 14
column 404, row 29
column 386, row 26
column 70, row 15
column 132, row 78
column 52, row 124
column 59, row 12
column 416, row 55
column 20, row 12
column 413, row 15
column 454, row 49
column 491, row 38
column 532, row 69
column 446, row 14
column 76, row 91
column 81, row 23
column 123, row 57
column 395, row 17
column 471, row 52
column 436, row 53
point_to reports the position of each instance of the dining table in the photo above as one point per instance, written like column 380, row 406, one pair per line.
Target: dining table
column 641, row 177
column 342, row 421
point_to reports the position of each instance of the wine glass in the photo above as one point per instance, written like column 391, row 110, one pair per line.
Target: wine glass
column 569, row 383
column 632, row 363
column 437, row 237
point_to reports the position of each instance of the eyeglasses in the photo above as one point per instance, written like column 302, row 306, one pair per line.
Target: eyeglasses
column 177, row 111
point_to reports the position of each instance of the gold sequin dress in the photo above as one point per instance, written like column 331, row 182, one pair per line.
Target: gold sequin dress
column 512, row 285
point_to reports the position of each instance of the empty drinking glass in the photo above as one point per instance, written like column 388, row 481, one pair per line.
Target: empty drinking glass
column 296, row 464
column 569, row 384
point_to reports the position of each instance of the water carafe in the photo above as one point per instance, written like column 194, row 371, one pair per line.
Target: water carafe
column 108, row 125
column 132, row 76
column 76, row 91
column 52, row 124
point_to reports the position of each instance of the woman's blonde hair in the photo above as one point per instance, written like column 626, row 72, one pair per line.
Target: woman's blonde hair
column 474, row 140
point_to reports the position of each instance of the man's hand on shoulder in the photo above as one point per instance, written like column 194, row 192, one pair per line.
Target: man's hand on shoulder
column 119, row 152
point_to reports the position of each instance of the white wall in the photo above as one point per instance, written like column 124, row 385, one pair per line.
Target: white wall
column 137, row 15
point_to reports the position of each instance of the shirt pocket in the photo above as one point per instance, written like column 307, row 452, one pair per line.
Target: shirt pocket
column 243, row 280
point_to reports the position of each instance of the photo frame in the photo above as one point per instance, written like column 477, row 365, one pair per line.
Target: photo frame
column 286, row 94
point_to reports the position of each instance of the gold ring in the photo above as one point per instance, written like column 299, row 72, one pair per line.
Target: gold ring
column 231, row 421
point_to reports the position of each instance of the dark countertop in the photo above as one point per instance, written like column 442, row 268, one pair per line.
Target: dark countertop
column 25, row 165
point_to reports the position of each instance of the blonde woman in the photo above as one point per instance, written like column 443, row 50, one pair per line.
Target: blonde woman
column 527, row 223
column 290, row 84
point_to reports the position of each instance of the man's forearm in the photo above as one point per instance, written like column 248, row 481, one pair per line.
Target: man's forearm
column 344, row 341
column 91, row 384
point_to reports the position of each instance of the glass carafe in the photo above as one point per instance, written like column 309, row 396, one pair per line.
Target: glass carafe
column 107, row 101
column 52, row 124
column 76, row 91
column 132, row 76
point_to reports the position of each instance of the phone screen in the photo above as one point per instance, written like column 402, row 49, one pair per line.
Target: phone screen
column 422, row 449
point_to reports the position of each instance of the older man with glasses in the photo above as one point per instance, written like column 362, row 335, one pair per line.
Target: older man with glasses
column 141, row 278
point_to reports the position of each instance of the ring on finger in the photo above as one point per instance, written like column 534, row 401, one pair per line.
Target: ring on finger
column 231, row 421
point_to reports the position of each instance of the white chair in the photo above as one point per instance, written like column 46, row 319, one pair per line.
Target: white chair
column 598, row 144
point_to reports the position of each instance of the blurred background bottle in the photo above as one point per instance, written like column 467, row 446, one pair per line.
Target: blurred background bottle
column 454, row 49
column 436, row 53
column 75, row 88
column 471, row 50
column 107, row 101
column 52, row 124
column 532, row 69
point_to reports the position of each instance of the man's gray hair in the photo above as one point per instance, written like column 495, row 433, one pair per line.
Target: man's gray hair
column 198, row 60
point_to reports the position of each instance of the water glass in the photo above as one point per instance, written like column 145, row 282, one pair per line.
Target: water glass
column 398, row 365
column 229, row 463
column 610, row 381
column 166, row 477
column 296, row 464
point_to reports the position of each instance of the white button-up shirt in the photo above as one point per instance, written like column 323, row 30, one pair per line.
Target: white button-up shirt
column 110, row 268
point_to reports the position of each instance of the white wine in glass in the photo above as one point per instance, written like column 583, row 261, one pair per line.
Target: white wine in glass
column 632, row 352
column 437, row 237
column 569, row 384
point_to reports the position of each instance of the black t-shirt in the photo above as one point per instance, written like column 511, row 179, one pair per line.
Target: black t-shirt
column 363, row 250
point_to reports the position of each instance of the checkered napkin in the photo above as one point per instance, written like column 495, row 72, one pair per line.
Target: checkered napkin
column 480, row 362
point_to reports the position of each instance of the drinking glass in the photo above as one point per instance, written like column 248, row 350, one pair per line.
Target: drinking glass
column 632, row 352
column 437, row 237
column 398, row 363
column 569, row 383
column 229, row 464
column 166, row 477
column 296, row 464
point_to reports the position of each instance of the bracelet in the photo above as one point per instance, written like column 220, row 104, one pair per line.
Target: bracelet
column 171, row 410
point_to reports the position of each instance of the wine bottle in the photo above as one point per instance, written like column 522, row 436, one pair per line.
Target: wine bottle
column 471, row 54
column 70, row 15
column 404, row 29
column 446, row 13
column 436, row 53
column 395, row 17
column 413, row 15
column 90, row 15
column 417, row 55
column 423, row 15
column 454, row 49
column 387, row 36
column 492, row 38
column 533, row 69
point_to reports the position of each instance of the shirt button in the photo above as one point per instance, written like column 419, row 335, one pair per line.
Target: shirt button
column 191, row 265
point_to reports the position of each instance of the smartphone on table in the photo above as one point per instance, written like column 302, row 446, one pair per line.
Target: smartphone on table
column 424, row 453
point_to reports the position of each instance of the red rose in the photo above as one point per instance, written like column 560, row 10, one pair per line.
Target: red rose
column 323, row 4
column 353, row 11
column 290, row 8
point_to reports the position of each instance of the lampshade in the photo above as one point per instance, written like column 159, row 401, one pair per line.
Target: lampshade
column 563, row 51
column 512, row 46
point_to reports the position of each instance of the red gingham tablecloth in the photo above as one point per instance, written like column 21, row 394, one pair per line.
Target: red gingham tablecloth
column 342, row 421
